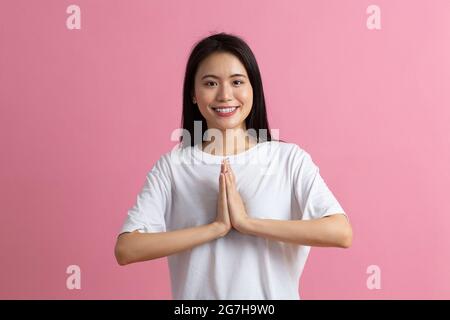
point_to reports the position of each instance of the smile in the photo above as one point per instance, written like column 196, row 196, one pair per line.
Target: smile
column 225, row 112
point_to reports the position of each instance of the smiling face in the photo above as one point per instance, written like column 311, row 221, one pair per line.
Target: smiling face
column 222, row 81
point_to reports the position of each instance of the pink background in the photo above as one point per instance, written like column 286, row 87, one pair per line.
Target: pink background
column 86, row 113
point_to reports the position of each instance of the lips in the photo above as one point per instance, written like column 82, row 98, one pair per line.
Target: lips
column 225, row 111
column 224, row 107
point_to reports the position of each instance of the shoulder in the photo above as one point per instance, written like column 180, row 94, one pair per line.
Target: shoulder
column 176, row 155
column 168, row 162
column 294, row 157
column 289, row 149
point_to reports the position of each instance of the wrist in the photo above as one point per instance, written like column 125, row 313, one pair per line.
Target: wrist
column 219, row 229
column 245, row 225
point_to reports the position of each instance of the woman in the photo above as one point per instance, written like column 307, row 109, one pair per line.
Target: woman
column 234, row 228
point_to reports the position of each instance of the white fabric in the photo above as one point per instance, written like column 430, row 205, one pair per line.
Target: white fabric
column 276, row 180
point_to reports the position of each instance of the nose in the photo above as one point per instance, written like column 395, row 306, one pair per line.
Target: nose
column 225, row 93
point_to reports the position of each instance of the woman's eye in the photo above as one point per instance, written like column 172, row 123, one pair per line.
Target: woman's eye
column 212, row 83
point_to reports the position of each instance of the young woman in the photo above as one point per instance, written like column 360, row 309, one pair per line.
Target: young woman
column 235, row 211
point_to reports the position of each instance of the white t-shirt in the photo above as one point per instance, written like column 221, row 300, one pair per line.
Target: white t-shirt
column 276, row 180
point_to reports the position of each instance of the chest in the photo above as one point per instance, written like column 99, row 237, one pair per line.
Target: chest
column 267, row 194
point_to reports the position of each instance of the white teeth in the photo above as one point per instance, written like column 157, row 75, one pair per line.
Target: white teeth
column 225, row 110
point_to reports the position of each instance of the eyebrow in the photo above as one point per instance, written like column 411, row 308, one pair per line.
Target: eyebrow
column 216, row 77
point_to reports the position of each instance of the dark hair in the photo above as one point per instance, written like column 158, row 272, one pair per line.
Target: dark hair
column 223, row 42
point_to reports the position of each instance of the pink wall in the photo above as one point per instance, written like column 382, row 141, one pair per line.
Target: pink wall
column 86, row 113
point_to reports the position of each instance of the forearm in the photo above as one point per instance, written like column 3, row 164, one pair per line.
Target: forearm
column 330, row 231
column 135, row 246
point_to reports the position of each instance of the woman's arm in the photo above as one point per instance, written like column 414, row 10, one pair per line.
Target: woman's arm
column 329, row 231
column 135, row 246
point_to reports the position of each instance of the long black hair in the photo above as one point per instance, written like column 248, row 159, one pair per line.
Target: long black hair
column 229, row 43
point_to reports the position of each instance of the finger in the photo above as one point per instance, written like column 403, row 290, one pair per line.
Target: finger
column 225, row 192
column 229, row 184
column 233, row 179
column 225, row 177
column 231, row 171
column 222, row 187
column 227, row 165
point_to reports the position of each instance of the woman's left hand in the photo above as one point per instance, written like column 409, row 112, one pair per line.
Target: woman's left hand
column 236, row 207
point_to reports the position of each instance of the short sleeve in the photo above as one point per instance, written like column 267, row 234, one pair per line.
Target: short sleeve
column 149, row 210
column 312, row 193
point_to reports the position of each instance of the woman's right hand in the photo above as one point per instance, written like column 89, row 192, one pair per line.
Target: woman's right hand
column 223, row 216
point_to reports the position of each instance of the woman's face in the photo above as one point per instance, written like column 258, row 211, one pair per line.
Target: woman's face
column 222, row 81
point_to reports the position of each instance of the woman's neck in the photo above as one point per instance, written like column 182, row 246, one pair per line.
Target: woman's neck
column 230, row 143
